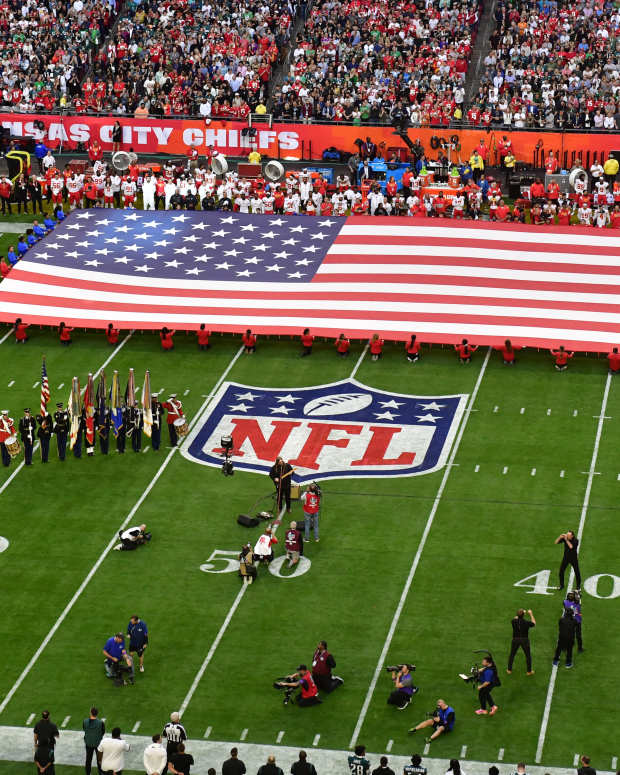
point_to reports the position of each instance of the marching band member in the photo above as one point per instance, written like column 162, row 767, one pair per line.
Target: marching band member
column 175, row 412
column 7, row 429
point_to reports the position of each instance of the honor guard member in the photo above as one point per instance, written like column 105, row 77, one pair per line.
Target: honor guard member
column 61, row 429
column 102, row 423
column 281, row 474
column 77, row 447
column 121, row 438
column 175, row 733
column 158, row 413
column 27, row 431
column 136, row 421
column 7, row 429
column 175, row 412
column 44, row 433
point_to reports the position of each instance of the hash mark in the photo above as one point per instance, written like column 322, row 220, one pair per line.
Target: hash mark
column 389, row 745
column 562, row 475
column 575, row 413
column 575, row 760
column 317, row 737
column 280, row 736
column 427, row 748
column 619, row 477
column 522, row 410
column 614, row 763
column 186, row 392
column 11, row 383
column 500, row 755
column 65, row 721
column 36, row 384
column 30, row 719
column 533, row 472
column 136, row 727
column 505, row 471
column 548, row 412
column 243, row 734
column 146, row 449
column 495, row 408
column 62, row 384
column 476, row 469
column 207, row 731
column 463, row 752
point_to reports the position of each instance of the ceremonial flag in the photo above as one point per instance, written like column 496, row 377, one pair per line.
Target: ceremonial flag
column 89, row 411
column 130, row 399
column 75, row 411
column 102, row 395
column 116, row 408
column 147, row 411
column 442, row 280
column 45, row 389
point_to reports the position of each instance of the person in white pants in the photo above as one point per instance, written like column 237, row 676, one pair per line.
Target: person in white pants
column 148, row 192
column 169, row 191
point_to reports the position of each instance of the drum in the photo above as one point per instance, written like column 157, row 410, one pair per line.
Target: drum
column 12, row 446
column 181, row 427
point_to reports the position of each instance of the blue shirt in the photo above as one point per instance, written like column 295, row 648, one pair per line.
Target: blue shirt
column 575, row 608
column 22, row 247
column 114, row 648
column 31, row 240
column 40, row 150
column 49, row 223
column 60, row 214
column 138, row 634
column 12, row 256
column 39, row 231
column 488, row 674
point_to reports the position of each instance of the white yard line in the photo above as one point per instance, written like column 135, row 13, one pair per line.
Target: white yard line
column 6, row 336
column 108, row 548
column 359, row 362
column 418, row 555
column 584, row 511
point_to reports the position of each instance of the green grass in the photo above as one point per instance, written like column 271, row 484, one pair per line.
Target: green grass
column 489, row 531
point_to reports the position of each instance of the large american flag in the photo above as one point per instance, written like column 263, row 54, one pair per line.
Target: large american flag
column 279, row 274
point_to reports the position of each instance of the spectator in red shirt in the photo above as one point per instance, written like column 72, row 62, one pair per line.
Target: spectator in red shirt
column 111, row 334
column 307, row 341
column 64, row 333
column 551, row 164
column 21, row 337
column 412, row 348
column 537, row 190
column 502, row 212
column 465, row 351
column 166, row 335
column 376, row 347
column 561, row 357
column 508, row 351
column 4, row 269
column 342, row 345
column 614, row 361
column 202, row 336
column 249, row 342
column 95, row 151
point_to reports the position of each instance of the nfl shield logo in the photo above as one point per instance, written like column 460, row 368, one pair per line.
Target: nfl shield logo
column 328, row 431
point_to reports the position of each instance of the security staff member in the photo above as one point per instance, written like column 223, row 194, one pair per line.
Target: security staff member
column 138, row 634
column 309, row 694
column 158, row 413
column 520, row 638
column 566, row 638
column 27, row 429
column 322, row 664
column 102, row 423
column 44, row 433
column 573, row 603
column 61, row 429
column 442, row 722
column 488, row 680
column 136, row 421
column 175, row 733
column 571, row 557
column 281, row 474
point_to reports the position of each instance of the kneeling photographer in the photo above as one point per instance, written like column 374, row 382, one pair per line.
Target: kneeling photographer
column 132, row 538
column 302, row 679
column 404, row 688
column 441, row 719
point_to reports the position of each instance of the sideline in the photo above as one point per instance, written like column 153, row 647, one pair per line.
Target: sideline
column 95, row 375
column 584, row 511
column 108, row 548
column 418, row 555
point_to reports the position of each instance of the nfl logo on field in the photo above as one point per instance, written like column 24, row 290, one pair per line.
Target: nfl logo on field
column 330, row 431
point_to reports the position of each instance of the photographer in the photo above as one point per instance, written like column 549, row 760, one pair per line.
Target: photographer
column 322, row 664
column 309, row 694
column 115, row 653
column 442, row 720
column 488, row 680
column 132, row 538
column 566, row 638
column 520, row 639
column 573, row 603
column 404, row 688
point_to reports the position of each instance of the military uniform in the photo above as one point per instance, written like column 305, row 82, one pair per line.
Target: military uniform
column 136, row 420
column 61, row 429
column 27, row 431
column 77, row 447
column 7, row 429
column 175, row 411
column 102, row 423
column 158, row 413
column 122, row 432
column 46, row 428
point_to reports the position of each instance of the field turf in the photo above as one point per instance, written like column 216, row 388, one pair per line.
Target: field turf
column 441, row 551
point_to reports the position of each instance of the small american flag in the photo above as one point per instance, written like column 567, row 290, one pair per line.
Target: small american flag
column 45, row 389
column 278, row 274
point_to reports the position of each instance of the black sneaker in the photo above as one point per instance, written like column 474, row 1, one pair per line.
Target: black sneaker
column 416, row 689
column 402, row 707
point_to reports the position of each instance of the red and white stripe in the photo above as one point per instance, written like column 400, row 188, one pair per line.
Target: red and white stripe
column 539, row 287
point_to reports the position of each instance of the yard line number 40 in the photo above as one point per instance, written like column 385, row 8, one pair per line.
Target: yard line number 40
column 605, row 586
column 222, row 561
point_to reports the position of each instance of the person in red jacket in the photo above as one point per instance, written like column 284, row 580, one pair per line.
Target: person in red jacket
column 376, row 347
column 166, row 335
column 202, row 337
column 412, row 348
column 307, row 340
column 614, row 361
column 95, row 151
column 508, row 350
column 249, row 342
column 561, row 357
column 4, row 269
column 111, row 334
column 465, row 351
column 342, row 345
column 21, row 337
column 64, row 332
column 174, row 408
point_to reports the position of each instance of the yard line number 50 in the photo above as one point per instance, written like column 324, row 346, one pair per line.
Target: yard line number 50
column 222, row 561
column 605, row 586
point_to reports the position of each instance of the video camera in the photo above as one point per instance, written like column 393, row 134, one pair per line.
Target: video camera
column 574, row 596
column 288, row 690
column 475, row 669
column 396, row 668
column 226, row 443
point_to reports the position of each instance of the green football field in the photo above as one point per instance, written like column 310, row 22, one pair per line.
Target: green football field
column 426, row 568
